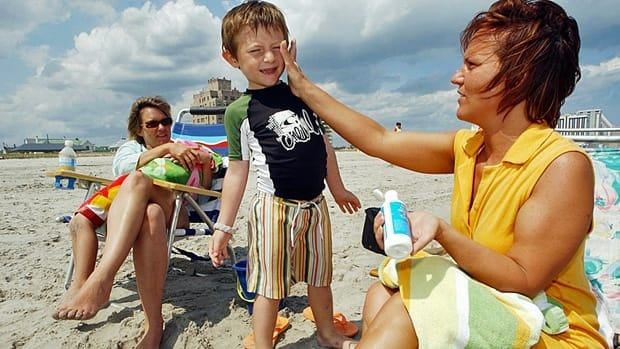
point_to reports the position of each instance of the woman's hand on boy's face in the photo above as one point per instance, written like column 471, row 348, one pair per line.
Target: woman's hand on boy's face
column 294, row 73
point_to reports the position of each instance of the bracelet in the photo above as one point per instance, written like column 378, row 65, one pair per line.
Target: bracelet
column 225, row 228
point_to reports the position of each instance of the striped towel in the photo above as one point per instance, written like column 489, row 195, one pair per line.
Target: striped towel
column 451, row 310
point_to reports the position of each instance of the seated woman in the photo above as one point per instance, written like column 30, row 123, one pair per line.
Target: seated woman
column 522, row 198
column 137, row 214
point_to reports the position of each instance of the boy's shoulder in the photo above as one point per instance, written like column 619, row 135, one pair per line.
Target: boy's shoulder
column 239, row 105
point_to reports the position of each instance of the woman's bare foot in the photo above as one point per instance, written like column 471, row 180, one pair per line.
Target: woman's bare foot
column 66, row 298
column 86, row 302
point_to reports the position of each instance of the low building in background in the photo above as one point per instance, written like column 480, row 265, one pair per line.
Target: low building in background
column 49, row 145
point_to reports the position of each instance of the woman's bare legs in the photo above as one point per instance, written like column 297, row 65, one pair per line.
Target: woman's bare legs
column 376, row 297
column 84, row 245
column 150, row 259
column 124, row 224
column 391, row 327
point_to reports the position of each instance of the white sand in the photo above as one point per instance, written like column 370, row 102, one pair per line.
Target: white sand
column 200, row 312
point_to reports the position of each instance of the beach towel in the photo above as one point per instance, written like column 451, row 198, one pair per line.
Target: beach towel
column 96, row 207
column 451, row 310
column 602, row 259
column 168, row 170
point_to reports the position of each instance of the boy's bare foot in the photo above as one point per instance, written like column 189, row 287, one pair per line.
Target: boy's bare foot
column 85, row 302
column 335, row 341
column 151, row 338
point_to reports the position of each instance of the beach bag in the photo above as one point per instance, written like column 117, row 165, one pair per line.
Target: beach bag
column 166, row 170
column 368, row 235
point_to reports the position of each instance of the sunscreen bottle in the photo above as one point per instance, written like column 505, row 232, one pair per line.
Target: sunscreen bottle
column 396, row 230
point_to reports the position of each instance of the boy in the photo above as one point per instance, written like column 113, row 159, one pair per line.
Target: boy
column 289, row 233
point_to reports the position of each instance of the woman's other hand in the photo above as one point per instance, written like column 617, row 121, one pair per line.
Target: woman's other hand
column 184, row 155
column 425, row 227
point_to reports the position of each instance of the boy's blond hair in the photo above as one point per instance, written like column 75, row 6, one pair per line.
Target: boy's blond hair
column 255, row 14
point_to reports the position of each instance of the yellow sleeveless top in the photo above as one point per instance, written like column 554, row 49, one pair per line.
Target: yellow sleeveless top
column 502, row 190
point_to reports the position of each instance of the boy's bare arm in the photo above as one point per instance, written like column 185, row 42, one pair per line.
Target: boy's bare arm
column 346, row 200
column 232, row 194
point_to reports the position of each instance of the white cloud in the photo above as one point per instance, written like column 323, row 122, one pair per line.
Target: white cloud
column 18, row 18
column 434, row 110
column 102, row 10
column 390, row 59
column 88, row 90
column 603, row 69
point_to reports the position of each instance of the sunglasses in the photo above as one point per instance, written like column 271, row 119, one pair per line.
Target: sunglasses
column 155, row 123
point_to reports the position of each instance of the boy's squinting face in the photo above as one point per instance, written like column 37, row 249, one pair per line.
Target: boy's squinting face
column 258, row 56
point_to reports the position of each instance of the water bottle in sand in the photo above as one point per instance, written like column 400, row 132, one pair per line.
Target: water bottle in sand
column 67, row 157
column 396, row 230
column 66, row 161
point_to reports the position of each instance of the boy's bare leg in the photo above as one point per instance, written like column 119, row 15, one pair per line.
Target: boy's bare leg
column 84, row 244
column 321, row 302
column 150, row 262
column 124, row 223
column 264, row 321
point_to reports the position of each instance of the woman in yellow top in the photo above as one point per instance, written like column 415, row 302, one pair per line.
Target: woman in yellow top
column 523, row 195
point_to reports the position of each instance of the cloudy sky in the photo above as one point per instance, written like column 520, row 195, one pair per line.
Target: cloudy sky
column 71, row 68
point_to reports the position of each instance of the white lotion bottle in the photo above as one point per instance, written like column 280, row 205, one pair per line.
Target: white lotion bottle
column 396, row 231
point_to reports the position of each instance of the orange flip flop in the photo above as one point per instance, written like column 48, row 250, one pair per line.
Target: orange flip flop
column 342, row 325
column 282, row 324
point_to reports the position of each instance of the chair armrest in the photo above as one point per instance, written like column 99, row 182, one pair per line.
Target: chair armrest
column 186, row 188
column 79, row 176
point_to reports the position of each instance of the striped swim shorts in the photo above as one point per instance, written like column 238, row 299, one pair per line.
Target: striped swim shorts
column 288, row 241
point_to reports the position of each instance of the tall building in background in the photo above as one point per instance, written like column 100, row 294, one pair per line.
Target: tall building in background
column 219, row 93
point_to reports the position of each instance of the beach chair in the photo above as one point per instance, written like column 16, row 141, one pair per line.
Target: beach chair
column 204, row 203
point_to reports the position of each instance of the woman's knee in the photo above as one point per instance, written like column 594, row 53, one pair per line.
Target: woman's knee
column 138, row 181
column 376, row 296
column 79, row 224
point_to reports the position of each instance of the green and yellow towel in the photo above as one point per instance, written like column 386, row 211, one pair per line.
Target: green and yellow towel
column 451, row 310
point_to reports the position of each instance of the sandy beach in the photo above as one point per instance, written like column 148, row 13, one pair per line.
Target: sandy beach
column 201, row 308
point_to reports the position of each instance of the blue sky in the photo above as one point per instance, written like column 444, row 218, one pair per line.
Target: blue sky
column 71, row 68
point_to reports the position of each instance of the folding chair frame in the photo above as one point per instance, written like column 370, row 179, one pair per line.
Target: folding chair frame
column 182, row 193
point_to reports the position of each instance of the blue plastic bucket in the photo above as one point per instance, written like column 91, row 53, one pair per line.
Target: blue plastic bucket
column 242, row 286
column 240, row 269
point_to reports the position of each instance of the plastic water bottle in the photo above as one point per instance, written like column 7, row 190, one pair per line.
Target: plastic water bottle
column 67, row 157
column 66, row 161
column 396, row 230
